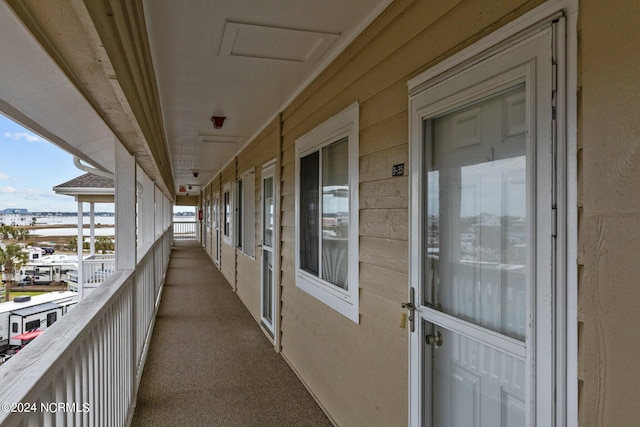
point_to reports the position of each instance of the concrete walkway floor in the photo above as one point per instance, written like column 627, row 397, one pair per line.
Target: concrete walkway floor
column 209, row 364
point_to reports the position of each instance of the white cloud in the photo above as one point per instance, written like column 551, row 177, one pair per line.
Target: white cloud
column 3, row 176
column 32, row 194
column 28, row 194
column 8, row 190
column 35, row 200
column 27, row 136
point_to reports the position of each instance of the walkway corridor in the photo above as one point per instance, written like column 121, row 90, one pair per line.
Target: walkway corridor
column 209, row 364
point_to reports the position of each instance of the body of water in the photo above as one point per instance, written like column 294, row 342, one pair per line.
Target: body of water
column 108, row 221
column 73, row 220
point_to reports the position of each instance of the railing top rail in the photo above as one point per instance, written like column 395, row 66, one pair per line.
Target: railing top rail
column 100, row 257
column 22, row 375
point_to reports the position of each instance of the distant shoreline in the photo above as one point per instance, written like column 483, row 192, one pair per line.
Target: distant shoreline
column 41, row 226
column 58, row 241
column 66, row 222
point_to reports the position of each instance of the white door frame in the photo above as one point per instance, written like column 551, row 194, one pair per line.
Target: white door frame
column 565, row 362
column 216, row 228
column 269, row 170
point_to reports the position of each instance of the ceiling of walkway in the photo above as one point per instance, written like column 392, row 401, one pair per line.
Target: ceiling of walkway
column 83, row 74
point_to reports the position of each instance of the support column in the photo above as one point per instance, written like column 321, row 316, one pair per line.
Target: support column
column 125, row 209
column 167, row 213
column 80, row 242
column 159, row 213
column 92, row 229
column 148, row 210
column 126, row 247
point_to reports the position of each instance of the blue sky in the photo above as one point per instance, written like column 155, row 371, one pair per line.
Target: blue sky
column 30, row 167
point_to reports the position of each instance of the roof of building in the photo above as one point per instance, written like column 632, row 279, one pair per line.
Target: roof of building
column 88, row 180
column 14, row 211
column 88, row 188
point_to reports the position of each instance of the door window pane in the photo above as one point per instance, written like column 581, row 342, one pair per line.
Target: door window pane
column 477, row 205
column 268, row 291
column 268, row 214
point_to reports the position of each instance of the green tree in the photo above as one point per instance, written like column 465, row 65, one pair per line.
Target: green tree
column 73, row 244
column 23, row 234
column 14, row 232
column 11, row 258
column 104, row 243
column 4, row 231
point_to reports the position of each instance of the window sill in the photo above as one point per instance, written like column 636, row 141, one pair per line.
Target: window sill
column 329, row 294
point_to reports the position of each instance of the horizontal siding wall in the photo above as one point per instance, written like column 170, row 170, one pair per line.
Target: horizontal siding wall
column 358, row 372
column 609, row 213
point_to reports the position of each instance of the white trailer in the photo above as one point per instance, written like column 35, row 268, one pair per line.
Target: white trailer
column 38, row 312
column 45, row 273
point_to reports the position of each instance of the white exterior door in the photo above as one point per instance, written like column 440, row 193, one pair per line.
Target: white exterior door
column 268, row 277
column 483, row 240
column 216, row 228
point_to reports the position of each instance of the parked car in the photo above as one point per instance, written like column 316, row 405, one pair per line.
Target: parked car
column 48, row 251
column 25, row 281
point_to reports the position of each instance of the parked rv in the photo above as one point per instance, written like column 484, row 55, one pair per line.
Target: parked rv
column 28, row 314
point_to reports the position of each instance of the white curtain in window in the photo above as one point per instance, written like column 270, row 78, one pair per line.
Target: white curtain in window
column 335, row 213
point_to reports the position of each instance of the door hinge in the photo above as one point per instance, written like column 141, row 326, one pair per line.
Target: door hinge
column 554, row 75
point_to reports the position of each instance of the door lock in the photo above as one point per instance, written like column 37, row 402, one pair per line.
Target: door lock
column 411, row 307
column 408, row 306
column 434, row 339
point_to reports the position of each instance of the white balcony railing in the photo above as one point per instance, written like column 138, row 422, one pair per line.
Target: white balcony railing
column 185, row 230
column 85, row 369
column 95, row 270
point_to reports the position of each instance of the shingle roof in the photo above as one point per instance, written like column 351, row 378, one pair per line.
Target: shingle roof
column 87, row 180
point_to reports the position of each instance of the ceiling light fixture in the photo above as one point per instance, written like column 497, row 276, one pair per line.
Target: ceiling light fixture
column 217, row 121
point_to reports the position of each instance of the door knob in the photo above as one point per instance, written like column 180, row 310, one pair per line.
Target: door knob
column 434, row 339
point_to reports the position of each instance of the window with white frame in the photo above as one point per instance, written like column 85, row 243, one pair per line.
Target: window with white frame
column 327, row 212
column 226, row 214
column 245, row 212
